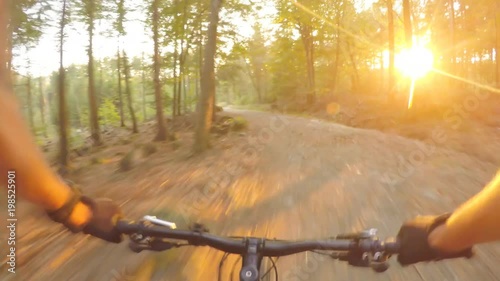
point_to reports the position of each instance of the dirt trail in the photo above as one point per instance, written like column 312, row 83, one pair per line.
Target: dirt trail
column 287, row 177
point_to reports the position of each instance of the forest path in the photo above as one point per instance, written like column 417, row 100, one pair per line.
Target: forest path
column 285, row 177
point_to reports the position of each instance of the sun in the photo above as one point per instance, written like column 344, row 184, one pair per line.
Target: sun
column 415, row 62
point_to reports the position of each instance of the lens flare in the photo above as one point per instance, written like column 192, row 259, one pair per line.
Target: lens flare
column 415, row 62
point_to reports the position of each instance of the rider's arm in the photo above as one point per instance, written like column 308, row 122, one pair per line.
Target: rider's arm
column 476, row 221
column 35, row 180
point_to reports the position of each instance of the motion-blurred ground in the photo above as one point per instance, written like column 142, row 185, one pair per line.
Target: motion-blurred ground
column 285, row 177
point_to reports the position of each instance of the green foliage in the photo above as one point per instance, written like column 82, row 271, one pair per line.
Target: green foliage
column 239, row 123
column 84, row 117
column 27, row 18
column 109, row 113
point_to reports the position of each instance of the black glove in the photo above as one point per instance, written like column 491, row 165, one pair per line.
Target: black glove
column 102, row 224
column 413, row 238
column 105, row 214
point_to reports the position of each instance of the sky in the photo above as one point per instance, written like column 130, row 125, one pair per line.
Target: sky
column 44, row 56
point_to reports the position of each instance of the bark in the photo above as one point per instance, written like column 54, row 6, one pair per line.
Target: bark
column 160, row 119
column 94, row 118
column 5, row 46
column 407, row 23
column 308, row 41
column 120, row 95
column 30, row 104
column 390, row 19
column 337, row 50
column 453, row 55
column 497, row 47
column 42, row 103
column 128, row 93
column 143, row 82
column 207, row 98
column 174, row 95
column 63, row 119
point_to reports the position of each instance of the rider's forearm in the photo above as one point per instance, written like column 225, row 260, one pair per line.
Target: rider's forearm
column 476, row 221
column 35, row 180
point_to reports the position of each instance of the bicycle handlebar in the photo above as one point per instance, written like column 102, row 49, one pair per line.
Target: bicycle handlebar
column 359, row 249
column 269, row 248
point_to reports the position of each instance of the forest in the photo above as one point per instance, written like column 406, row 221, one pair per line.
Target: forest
column 294, row 119
column 295, row 55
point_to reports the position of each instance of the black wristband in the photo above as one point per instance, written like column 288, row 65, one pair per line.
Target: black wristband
column 62, row 214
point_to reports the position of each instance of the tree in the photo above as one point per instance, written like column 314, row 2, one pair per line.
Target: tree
column 42, row 104
column 128, row 92
column 30, row 102
column 118, row 26
column 407, row 23
column 4, row 45
column 207, row 98
column 90, row 11
column 497, row 41
column 120, row 96
column 302, row 18
column 63, row 116
column 257, row 59
column 392, row 49
column 23, row 21
column 143, row 88
column 160, row 119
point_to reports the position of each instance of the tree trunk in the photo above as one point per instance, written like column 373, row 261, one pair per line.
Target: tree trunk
column 197, row 84
column 355, row 74
column 128, row 92
column 185, row 91
column 94, row 118
column 409, row 44
column 183, row 56
column 42, row 105
column 179, row 80
column 120, row 96
column 5, row 45
column 30, row 104
column 200, row 62
column 174, row 94
column 160, row 119
column 390, row 19
column 101, row 86
column 337, row 52
column 497, row 47
column 63, row 119
column 207, row 98
column 308, row 41
column 143, row 81
column 452, row 49
column 407, row 23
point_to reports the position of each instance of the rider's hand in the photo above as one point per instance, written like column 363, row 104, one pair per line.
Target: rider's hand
column 102, row 223
column 95, row 217
column 413, row 237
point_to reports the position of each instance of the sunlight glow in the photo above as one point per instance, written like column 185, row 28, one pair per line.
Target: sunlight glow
column 415, row 62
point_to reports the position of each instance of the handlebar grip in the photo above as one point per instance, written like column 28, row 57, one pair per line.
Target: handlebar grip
column 126, row 226
column 392, row 246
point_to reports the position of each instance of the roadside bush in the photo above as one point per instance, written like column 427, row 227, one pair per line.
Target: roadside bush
column 239, row 123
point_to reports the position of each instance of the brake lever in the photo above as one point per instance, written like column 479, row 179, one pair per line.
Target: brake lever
column 156, row 245
column 157, row 221
column 363, row 257
column 365, row 234
column 358, row 259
